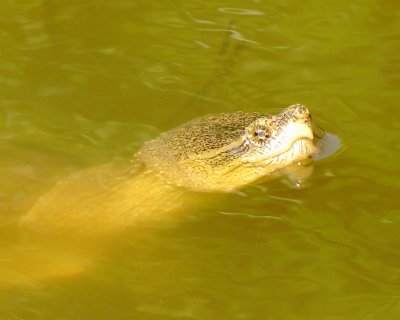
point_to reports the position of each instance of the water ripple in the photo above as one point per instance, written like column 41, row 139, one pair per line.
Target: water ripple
column 233, row 34
column 241, row 11
column 252, row 216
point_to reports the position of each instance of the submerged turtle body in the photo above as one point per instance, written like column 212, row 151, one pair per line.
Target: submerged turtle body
column 221, row 152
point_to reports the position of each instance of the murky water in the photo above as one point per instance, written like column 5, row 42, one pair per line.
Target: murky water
column 84, row 83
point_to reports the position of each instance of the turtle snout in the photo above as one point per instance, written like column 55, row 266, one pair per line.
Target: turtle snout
column 301, row 111
column 298, row 112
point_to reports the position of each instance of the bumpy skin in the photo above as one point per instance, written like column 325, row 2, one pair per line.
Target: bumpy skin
column 225, row 151
column 173, row 154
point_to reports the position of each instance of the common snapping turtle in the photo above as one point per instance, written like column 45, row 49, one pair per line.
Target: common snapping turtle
column 214, row 153
column 221, row 152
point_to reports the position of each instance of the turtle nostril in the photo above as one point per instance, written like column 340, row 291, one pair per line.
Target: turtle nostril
column 304, row 113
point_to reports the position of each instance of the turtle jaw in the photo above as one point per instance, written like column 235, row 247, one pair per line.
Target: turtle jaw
column 295, row 143
column 301, row 149
column 287, row 141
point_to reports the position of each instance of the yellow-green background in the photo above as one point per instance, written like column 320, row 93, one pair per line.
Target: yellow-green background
column 87, row 82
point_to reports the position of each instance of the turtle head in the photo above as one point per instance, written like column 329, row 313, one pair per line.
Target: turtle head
column 225, row 151
column 266, row 144
column 278, row 140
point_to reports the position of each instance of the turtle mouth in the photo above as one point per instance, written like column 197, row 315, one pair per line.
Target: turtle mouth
column 296, row 142
column 302, row 148
column 304, row 143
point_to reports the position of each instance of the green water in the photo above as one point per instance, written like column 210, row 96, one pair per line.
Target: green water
column 87, row 82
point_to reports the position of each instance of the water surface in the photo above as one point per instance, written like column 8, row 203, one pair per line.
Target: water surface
column 87, row 82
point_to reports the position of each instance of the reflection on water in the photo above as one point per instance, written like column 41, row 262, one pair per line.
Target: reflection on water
column 86, row 83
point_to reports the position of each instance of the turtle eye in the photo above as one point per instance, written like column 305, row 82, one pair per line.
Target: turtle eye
column 261, row 134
